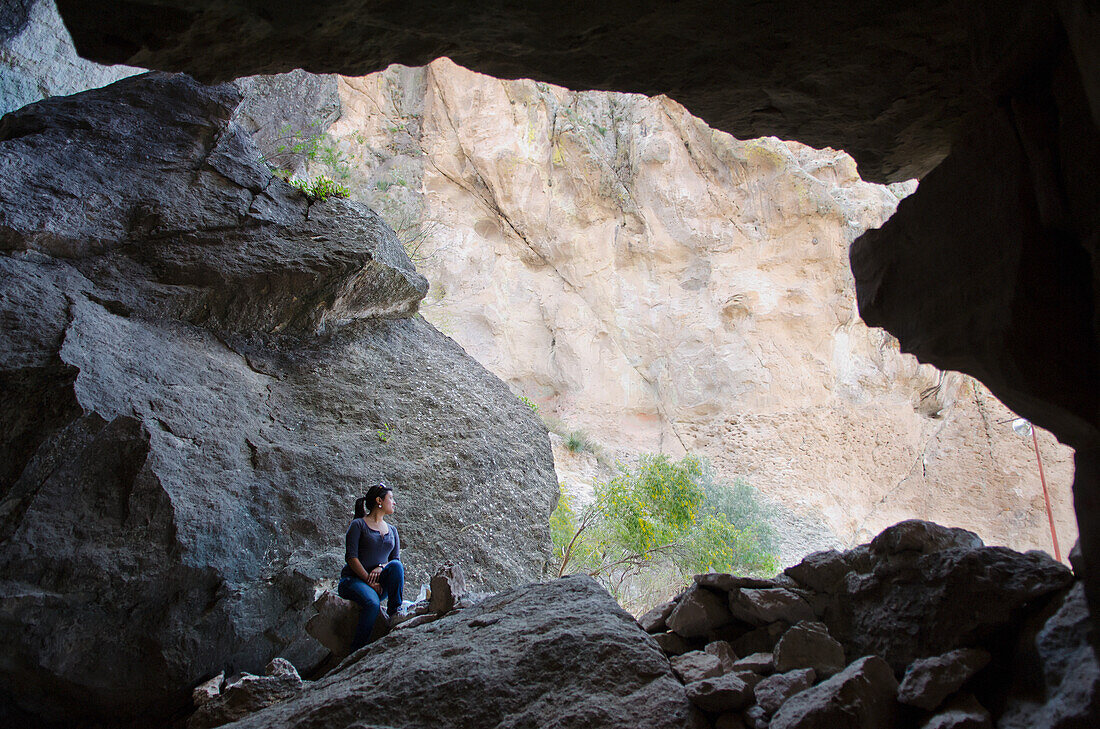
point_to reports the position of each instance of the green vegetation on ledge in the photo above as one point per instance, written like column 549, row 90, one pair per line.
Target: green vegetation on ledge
column 320, row 188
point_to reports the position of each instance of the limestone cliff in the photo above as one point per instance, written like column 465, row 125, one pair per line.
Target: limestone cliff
column 665, row 286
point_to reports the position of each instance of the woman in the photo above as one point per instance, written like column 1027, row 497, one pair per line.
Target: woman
column 373, row 569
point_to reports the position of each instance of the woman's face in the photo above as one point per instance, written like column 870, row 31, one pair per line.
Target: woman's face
column 388, row 503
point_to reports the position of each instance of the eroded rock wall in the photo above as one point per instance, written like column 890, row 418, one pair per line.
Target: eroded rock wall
column 202, row 369
column 664, row 286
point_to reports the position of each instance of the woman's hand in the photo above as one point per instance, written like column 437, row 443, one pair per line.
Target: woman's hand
column 374, row 577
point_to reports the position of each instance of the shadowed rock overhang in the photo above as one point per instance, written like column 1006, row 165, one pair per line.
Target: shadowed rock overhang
column 990, row 268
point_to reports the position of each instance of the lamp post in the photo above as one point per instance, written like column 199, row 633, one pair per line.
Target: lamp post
column 1022, row 427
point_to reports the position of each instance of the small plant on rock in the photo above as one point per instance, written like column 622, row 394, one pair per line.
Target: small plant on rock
column 383, row 433
column 320, row 188
column 578, row 442
column 529, row 403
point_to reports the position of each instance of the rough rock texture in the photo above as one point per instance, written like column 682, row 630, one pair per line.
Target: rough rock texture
column 673, row 644
column 1061, row 687
column 962, row 712
column 247, row 695
column 208, row 690
column 513, row 661
column 774, row 690
column 203, row 367
column 928, row 681
column 991, row 268
column 545, row 215
column 698, row 612
column 448, row 585
column 728, row 692
column 907, row 604
column 723, row 651
column 653, row 620
column 697, row 665
column 762, row 663
column 334, row 623
column 809, row 645
column 286, row 109
column 859, row 697
column 37, row 58
column 764, row 606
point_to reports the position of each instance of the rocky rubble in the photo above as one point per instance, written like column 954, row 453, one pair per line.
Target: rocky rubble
column 924, row 627
column 563, row 654
column 219, row 704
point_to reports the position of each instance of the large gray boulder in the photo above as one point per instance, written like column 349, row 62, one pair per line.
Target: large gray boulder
column 201, row 369
column 560, row 654
column 774, row 690
column 761, row 607
column 921, row 590
column 725, row 693
column 809, row 645
column 698, row 612
column 1067, row 671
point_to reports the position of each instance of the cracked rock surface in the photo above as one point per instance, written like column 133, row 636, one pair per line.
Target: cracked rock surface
column 196, row 363
column 523, row 658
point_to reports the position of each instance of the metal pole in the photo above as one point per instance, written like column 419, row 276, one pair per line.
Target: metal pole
column 1046, row 496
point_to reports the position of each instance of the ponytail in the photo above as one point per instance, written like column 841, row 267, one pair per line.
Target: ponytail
column 365, row 504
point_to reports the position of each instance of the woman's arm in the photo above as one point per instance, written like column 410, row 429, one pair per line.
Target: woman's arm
column 351, row 552
column 395, row 553
column 360, row 572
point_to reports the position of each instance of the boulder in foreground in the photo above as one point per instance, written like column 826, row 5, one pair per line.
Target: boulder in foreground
column 562, row 650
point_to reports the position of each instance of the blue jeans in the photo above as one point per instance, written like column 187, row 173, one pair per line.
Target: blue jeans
column 392, row 582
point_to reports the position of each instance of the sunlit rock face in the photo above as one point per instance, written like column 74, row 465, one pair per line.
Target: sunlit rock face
column 201, row 370
column 37, row 58
column 664, row 286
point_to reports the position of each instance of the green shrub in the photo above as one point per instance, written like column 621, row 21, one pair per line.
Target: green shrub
column 563, row 524
column 650, row 528
column 312, row 144
column 529, row 403
column 578, row 442
column 321, row 188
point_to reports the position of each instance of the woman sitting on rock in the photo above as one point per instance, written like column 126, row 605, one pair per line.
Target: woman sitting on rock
column 373, row 569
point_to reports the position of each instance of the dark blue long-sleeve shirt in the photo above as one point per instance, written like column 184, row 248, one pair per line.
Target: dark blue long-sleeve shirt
column 369, row 547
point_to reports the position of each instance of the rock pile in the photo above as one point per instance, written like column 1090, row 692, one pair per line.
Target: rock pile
column 220, row 701
column 923, row 627
column 1005, row 644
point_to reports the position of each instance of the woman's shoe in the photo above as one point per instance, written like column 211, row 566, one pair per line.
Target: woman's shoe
column 401, row 614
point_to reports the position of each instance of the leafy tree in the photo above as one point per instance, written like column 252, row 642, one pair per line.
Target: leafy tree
column 651, row 527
